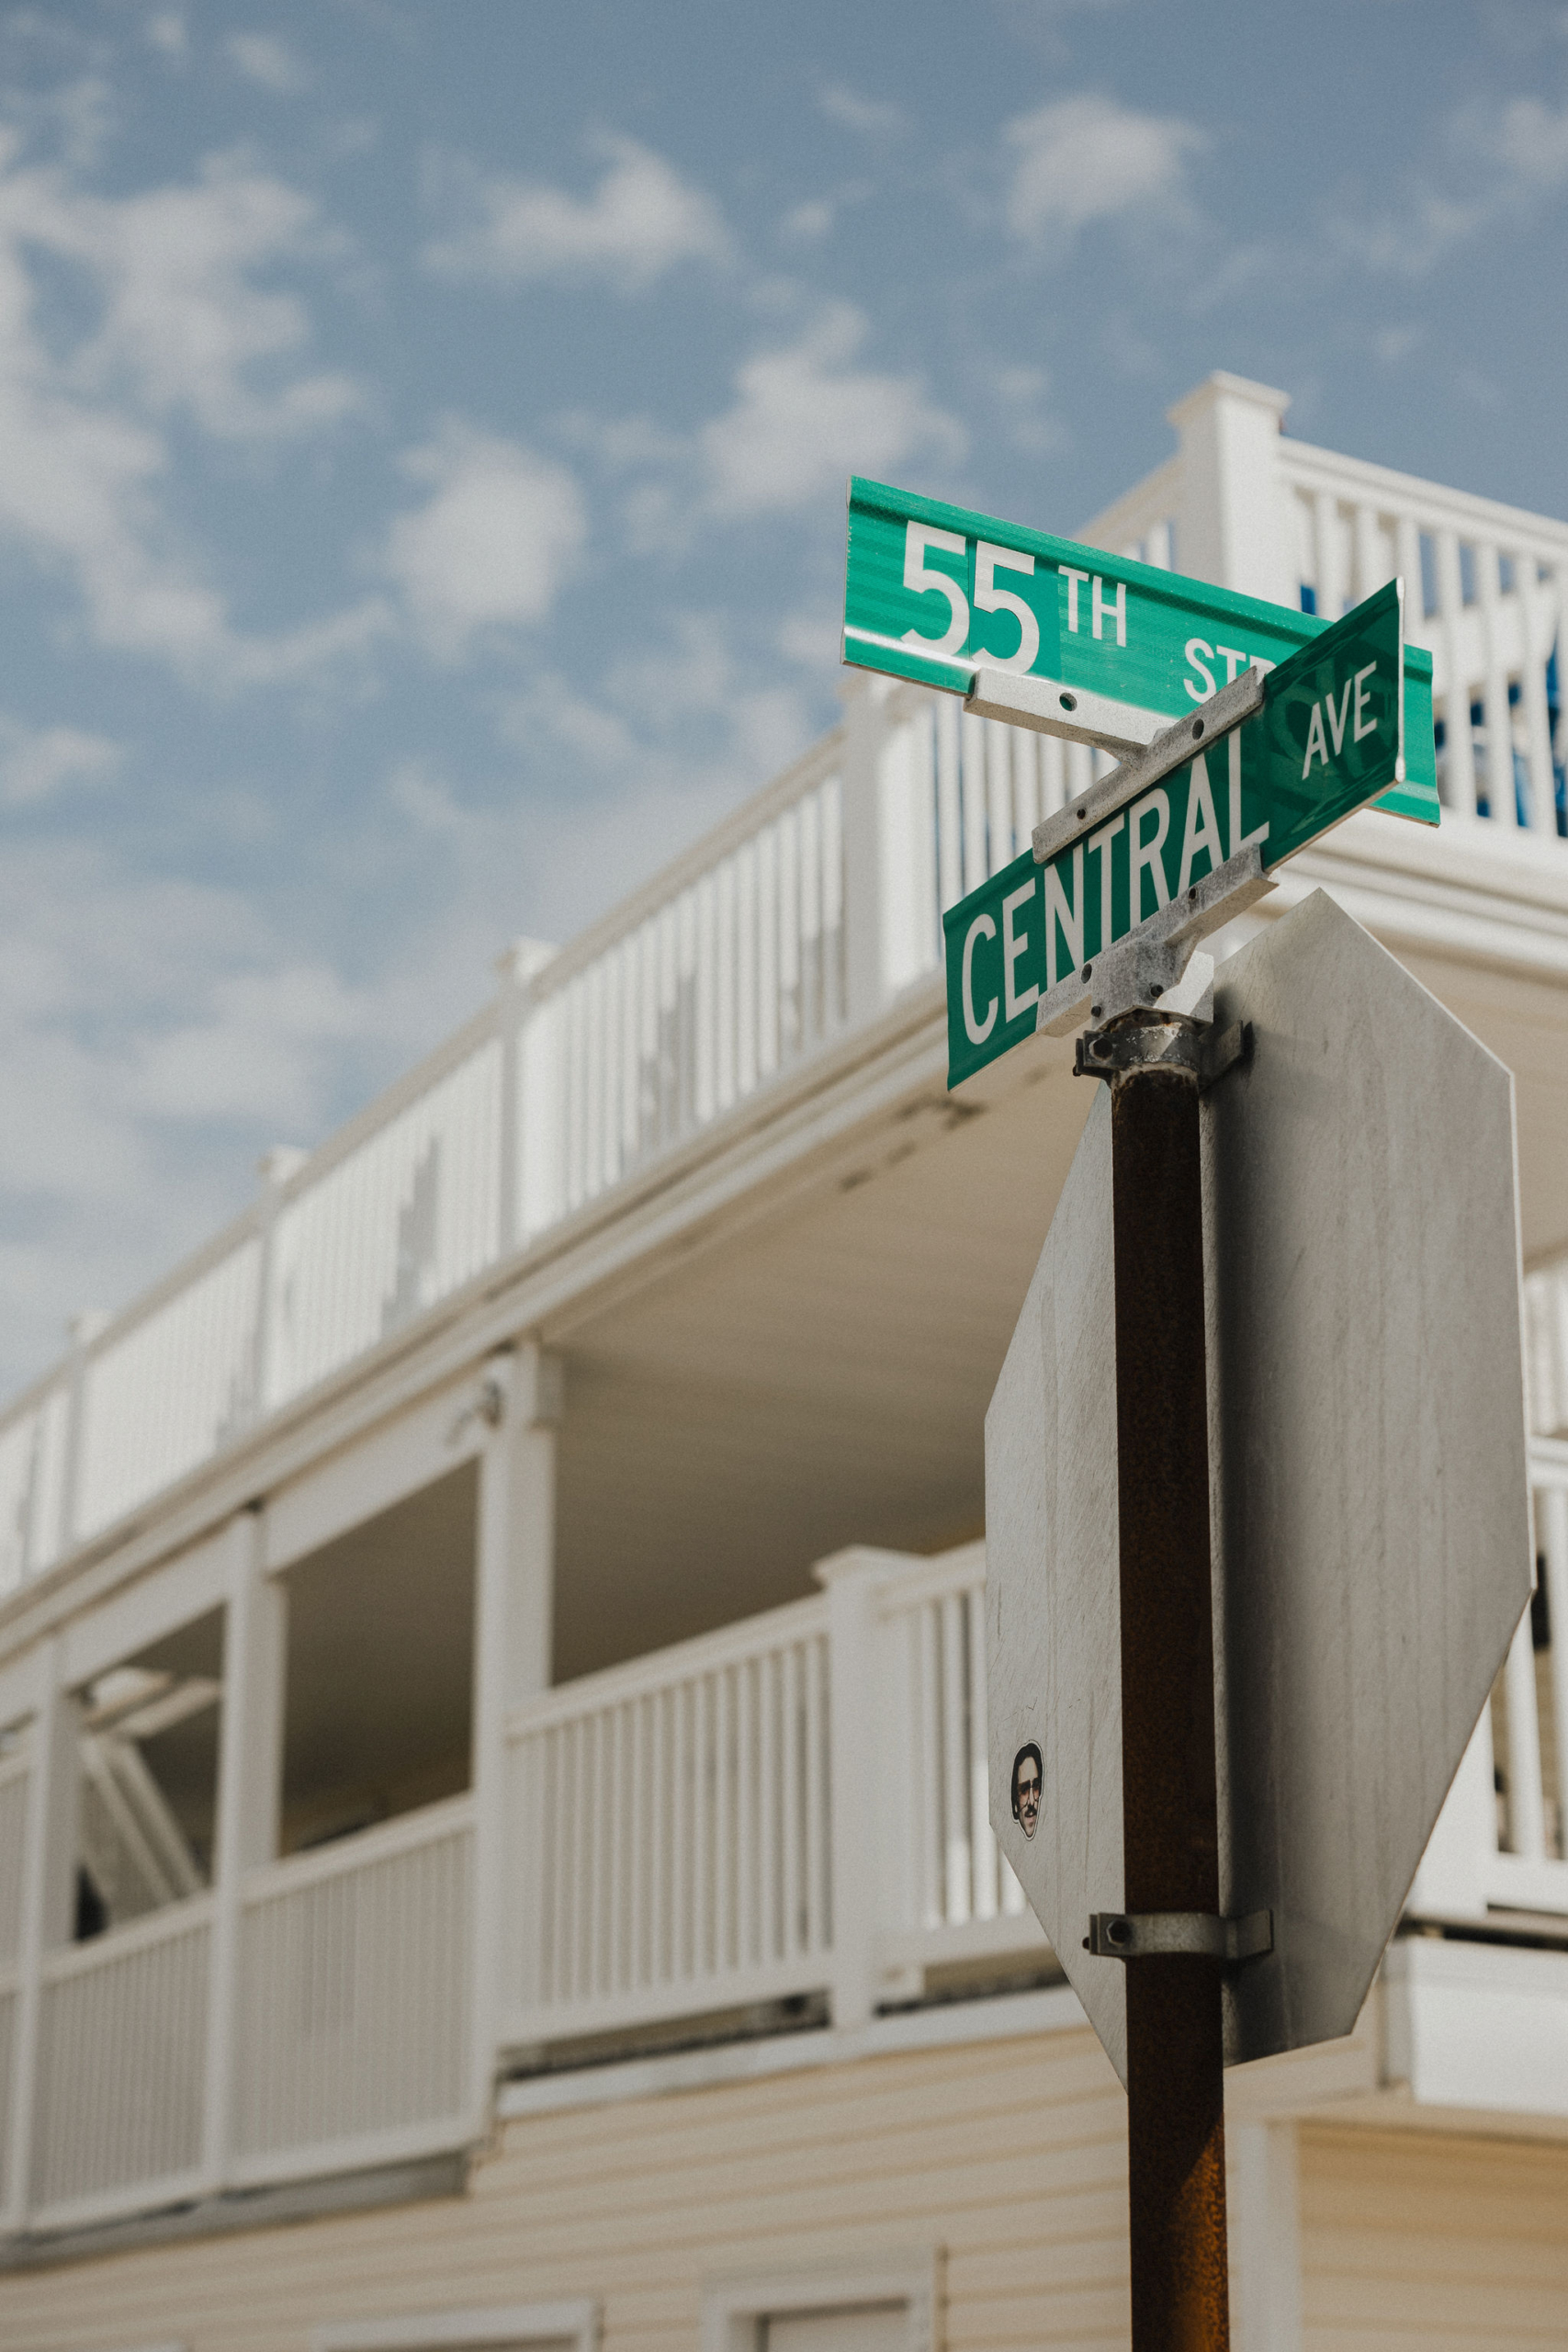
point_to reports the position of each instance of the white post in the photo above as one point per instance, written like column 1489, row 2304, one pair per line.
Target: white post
column 853, row 1580
column 512, row 1630
column 1452, row 1882
column 516, row 967
column 1526, row 1816
column 250, row 1767
column 275, row 1168
column 1231, row 528
column 865, row 730
column 1265, row 2237
column 1498, row 713
column 48, row 1892
column 1552, row 1508
column 84, row 1329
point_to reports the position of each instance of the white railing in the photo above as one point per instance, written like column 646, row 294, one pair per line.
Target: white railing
column 714, row 981
column 670, row 1833
column 1546, row 1348
column 122, row 2068
column 722, row 974
column 947, row 1894
column 353, row 2031
column 796, row 1807
column 10, row 2004
column 1527, row 1726
column 14, row 1771
column 692, row 997
column 1484, row 590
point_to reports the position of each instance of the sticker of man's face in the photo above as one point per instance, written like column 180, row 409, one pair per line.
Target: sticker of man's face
column 1026, row 1782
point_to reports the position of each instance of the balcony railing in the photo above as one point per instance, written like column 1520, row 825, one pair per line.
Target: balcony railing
column 795, row 1808
column 804, row 914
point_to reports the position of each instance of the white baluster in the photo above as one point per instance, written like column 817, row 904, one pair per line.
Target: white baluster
column 1536, row 606
column 1551, row 1523
column 1330, row 570
column 1499, row 713
column 1407, row 555
column 1526, row 1820
column 1371, row 569
column 982, row 1838
column 948, row 803
column 1460, row 753
column 998, row 793
column 957, row 1903
column 972, row 770
column 1052, row 774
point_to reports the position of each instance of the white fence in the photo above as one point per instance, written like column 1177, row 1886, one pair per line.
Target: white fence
column 754, row 1817
column 1527, row 1727
column 1485, row 590
column 670, row 1833
column 353, row 2024
column 724, row 973
column 947, row 1894
column 122, row 2068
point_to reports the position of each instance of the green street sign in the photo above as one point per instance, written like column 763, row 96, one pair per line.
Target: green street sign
column 933, row 593
column 1328, row 739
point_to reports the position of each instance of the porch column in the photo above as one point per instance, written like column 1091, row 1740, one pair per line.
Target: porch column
column 250, row 1766
column 514, row 1594
column 48, row 1898
column 1231, row 528
column 1265, row 2251
column 861, row 1806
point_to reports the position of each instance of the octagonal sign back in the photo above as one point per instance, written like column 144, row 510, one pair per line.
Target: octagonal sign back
column 1369, row 1501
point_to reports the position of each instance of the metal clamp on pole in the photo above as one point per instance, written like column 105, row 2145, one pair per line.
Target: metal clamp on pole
column 1164, row 1040
column 1200, row 1935
column 1169, row 750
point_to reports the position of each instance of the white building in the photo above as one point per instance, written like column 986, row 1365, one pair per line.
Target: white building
column 491, row 1694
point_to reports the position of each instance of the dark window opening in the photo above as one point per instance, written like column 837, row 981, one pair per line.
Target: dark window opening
column 378, row 1717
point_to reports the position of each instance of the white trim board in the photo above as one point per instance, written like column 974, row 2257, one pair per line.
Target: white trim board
column 575, row 2322
column 1003, row 2016
column 734, row 2308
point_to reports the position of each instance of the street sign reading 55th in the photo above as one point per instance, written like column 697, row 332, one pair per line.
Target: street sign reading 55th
column 943, row 596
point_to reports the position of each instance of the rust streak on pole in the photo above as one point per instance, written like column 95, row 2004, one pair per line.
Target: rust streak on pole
column 1175, row 2067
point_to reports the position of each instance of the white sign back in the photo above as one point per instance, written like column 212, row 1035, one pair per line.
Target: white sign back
column 1370, row 1523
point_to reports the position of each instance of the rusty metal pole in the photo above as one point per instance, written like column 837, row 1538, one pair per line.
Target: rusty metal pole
column 1175, row 2068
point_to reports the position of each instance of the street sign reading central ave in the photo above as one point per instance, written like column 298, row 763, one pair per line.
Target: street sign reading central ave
column 1328, row 739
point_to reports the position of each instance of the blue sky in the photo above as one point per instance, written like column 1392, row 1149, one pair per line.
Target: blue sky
column 423, row 435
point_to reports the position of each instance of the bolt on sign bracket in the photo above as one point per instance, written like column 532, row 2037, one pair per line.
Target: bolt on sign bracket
column 1203, row 1935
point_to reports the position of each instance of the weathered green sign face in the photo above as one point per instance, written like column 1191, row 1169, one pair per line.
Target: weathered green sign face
column 934, row 592
column 1328, row 739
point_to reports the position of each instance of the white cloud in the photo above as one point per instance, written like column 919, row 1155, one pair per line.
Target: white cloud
column 165, row 29
column 1021, row 393
column 157, row 1036
column 807, row 417
column 182, row 316
column 1087, row 158
column 807, row 225
column 38, row 761
column 177, row 321
column 1531, row 141
column 490, row 546
column 640, row 221
column 1504, row 160
column 269, row 63
column 872, row 118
